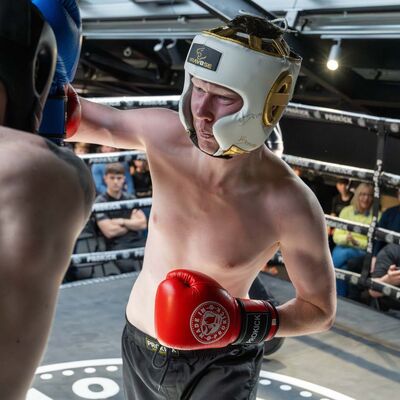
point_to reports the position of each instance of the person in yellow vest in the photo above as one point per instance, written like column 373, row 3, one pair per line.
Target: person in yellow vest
column 351, row 244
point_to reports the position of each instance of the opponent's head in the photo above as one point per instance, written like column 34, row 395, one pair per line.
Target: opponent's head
column 28, row 56
column 250, row 58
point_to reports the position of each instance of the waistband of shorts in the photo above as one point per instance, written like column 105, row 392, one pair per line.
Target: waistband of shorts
column 151, row 344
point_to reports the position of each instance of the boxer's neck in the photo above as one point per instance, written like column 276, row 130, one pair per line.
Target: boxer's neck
column 219, row 172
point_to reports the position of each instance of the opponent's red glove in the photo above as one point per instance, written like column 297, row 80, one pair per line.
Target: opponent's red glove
column 74, row 111
column 193, row 312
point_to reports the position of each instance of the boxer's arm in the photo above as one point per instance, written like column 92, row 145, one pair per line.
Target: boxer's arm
column 304, row 247
column 127, row 129
column 44, row 208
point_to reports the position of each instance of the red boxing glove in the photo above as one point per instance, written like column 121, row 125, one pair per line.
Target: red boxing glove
column 193, row 312
column 74, row 111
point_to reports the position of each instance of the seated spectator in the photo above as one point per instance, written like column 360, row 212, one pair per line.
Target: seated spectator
column 141, row 178
column 390, row 220
column 339, row 201
column 98, row 172
column 121, row 228
column 350, row 244
column 387, row 270
column 343, row 197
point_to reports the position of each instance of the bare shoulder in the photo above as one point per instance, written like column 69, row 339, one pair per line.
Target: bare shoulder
column 36, row 170
column 288, row 194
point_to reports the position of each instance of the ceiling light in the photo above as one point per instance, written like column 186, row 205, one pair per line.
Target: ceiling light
column 333, row 59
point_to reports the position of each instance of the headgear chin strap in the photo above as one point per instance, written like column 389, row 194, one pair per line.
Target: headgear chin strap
column 29, row 51
column 262, row 70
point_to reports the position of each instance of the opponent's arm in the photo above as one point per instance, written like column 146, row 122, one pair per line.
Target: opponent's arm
column 304, row 247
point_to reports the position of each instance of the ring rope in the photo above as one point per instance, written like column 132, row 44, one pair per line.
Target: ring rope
column 122, row 205
column 334, row 222
column 293, row 110
column 345, row 171
column 84, row 260
column 117, row 156
column 104, row 256
column 353, row 278
column 322, row 167
column 384, row 235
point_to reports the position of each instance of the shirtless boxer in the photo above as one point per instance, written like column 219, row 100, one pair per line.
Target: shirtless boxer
column 222, row 205
column 46, row 196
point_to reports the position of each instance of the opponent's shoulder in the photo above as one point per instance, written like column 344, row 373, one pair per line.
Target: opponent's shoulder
column 31, row 166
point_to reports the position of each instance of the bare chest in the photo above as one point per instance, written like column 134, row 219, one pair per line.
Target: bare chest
column 200, row 227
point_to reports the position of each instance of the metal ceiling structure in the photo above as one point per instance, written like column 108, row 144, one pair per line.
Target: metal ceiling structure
column 138, row 47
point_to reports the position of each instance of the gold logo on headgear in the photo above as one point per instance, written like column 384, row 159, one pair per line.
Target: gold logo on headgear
column 277, row 99
column 200, row 59
column 199, row 53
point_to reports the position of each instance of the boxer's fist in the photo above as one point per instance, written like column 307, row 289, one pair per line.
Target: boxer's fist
column 74, row 112
column 193, row 311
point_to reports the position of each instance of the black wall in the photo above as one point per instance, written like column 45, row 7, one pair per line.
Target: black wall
column 339, row 144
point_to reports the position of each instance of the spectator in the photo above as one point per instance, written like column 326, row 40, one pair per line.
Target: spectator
column 342, row 199
column 390, row 220
column 387, row 270
column 98, row 172
column 121, row 228
column 339, row 201
column 141, row 178
column 350, row 244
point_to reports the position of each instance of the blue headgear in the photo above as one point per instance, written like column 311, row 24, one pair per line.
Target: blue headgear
column 28, row 56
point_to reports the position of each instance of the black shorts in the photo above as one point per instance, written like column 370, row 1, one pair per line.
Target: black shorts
column 152, row 371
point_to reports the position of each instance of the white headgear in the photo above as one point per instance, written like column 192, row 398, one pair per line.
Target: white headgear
column 262, row 71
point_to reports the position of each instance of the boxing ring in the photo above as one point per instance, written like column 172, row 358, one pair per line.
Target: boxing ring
column 359, row 358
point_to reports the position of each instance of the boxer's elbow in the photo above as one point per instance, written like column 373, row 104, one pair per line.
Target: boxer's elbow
column 327, row 316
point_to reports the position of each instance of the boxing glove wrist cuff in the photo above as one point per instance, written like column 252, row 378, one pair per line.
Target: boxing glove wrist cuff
column 54, row 117
column 260, row 321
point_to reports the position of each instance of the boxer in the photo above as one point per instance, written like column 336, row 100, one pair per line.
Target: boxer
column 46, row 192
column 222, row 205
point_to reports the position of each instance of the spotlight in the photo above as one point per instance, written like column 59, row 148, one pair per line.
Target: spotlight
column 333, row 59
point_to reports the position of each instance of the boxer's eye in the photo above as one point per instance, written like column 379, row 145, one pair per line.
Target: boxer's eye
column 198, row 89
